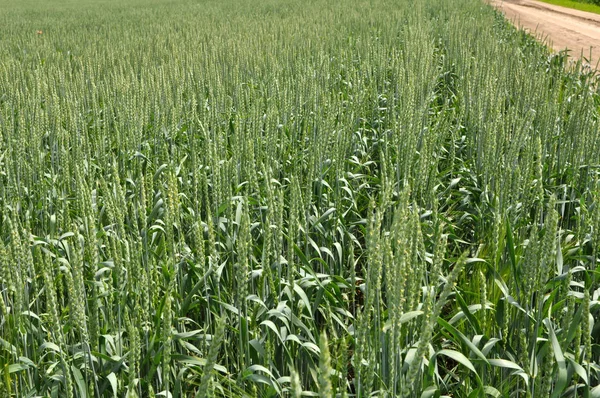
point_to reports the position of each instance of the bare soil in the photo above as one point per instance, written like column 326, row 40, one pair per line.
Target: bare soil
column 562, row 28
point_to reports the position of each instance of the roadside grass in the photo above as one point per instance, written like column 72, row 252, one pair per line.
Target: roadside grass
column 574, row 5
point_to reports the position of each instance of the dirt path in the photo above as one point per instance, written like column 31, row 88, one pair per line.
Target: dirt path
column 562, row 27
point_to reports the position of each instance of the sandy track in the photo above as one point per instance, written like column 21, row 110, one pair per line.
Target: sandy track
column 578, row 31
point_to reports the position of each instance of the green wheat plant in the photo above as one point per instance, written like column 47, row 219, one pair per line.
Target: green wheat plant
column 294, row 198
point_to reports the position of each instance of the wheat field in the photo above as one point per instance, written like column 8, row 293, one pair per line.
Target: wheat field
column 345, row 198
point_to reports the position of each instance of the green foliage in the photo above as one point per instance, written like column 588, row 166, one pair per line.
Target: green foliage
column 582, row 5
column 294, row 198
